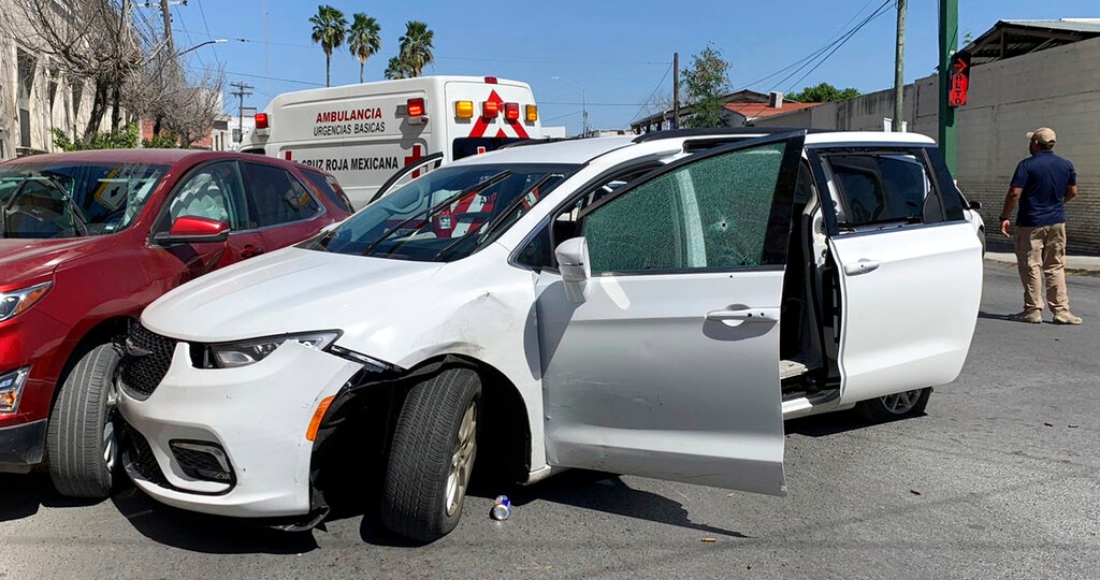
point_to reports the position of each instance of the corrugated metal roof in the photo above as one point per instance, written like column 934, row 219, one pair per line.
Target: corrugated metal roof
column 1071, row 24
column 1011, row 38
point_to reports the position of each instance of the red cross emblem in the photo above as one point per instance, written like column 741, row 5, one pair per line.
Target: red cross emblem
column 413, row 158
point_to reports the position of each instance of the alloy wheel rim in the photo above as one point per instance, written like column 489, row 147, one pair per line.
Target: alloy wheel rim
column 110, row 440
column 462, row 460
column 901, row 403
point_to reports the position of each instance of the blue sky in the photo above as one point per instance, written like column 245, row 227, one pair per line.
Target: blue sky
column 619, row 51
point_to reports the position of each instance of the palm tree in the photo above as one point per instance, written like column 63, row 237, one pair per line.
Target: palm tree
column 416, row 47
column 329, row 29
column 398, row 69
column 363, row 39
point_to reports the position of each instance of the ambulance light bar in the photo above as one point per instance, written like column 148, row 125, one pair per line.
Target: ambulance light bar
column 511, row 111
column 414, row 108
column 490, row 109
column 532, row 113
column 262, row 125
column 464, row 109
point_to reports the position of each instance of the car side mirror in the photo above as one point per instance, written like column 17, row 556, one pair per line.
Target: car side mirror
column 975, row 205
column 572, row 255
column 191, row 229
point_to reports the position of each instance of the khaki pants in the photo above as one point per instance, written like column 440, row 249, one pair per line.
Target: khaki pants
column 1042, row 250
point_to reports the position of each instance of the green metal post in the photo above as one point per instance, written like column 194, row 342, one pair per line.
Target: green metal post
column 949, row 38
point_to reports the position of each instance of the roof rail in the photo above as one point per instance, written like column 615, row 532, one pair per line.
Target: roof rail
column 539, row 141
column 717, row 132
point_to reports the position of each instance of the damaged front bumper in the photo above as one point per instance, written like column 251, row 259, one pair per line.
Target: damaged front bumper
column 251, row 421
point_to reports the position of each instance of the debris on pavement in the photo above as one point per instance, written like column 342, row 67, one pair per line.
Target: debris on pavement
column 709, row 540
column 502, row 508
column 915, row 492
column 1049, row 424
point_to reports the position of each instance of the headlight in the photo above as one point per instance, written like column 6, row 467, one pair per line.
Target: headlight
column 16, row 302
column 241, row 354
column 11, row 386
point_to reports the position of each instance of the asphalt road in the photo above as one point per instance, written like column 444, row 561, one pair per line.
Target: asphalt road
column 1001, row 479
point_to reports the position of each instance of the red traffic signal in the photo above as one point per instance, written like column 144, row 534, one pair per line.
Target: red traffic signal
column 959, row 88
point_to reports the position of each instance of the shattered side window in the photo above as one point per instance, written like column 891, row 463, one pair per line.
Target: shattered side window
column 709, row 214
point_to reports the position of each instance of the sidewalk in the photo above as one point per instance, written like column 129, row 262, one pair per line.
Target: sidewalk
column 1083, row 263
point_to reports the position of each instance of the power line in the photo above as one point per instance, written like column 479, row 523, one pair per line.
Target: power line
column 834, row 39
column 254, row 76
column 653, row 94
column 207, row 28
column 822, row 55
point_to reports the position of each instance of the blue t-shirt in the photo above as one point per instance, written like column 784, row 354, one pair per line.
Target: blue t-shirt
column 1044, row 178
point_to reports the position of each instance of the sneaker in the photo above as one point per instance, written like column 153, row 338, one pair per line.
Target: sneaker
column 1029, row 316
column 1066, row 318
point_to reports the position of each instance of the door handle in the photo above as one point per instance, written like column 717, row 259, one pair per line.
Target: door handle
column 861, row 267
column 745, row 315
column 250, row 251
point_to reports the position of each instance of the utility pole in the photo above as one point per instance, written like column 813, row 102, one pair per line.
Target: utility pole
column 167, row 13
column 675, row 90
column 243, row 90
column 949, row 38
column 899, row 70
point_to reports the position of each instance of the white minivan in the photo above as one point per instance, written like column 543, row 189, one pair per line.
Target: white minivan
column 654, row 306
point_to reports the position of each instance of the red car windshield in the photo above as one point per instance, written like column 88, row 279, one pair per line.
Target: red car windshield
column 69, row 199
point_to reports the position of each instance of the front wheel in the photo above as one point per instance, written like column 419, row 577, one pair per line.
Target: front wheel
column 81, row 439
column 896, row 406
column 432, row 456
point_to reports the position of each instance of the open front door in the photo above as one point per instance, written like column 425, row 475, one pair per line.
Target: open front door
column 664, row 361
column 910, row 269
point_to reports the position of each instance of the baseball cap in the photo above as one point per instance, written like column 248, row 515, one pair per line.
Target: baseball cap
column 1044, row 135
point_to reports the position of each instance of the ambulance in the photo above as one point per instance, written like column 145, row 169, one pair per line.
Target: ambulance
column 366, row 134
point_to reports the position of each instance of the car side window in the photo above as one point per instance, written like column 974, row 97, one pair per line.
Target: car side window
column 883, row 188
column 213, row 191
column 331, row 188
column 713, row 213
column 276, row 196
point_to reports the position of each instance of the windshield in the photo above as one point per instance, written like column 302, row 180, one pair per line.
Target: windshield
column 63, row 200
column 447, row 214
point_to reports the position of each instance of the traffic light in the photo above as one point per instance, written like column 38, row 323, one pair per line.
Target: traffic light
column 960, row 79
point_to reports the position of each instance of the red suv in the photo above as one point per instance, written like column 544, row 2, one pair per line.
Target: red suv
column 87, row 240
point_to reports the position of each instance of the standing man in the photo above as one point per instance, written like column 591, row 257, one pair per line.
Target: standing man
column 1042, row 185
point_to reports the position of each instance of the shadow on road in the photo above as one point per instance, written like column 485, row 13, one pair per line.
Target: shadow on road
column 832, row 424
column 203, row 533
column 992, row 316
column 604, row 492
column 24, row 494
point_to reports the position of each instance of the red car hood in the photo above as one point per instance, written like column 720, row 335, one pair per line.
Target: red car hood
column 27, row 259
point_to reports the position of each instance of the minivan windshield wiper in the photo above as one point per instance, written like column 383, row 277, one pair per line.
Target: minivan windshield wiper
column 431, row 211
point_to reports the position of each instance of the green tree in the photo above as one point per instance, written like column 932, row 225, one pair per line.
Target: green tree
column 824, row 93
column 364, row 39
column 126, row 138
column 416, row 47
column 398, row 69
column 329, row 30
column 705, row 83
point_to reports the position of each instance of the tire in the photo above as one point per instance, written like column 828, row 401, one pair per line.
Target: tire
column 81, row 440
column 896, row 406
column 432, row 456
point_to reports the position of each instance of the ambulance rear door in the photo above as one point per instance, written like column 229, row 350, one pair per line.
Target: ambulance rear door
column 484, row 116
